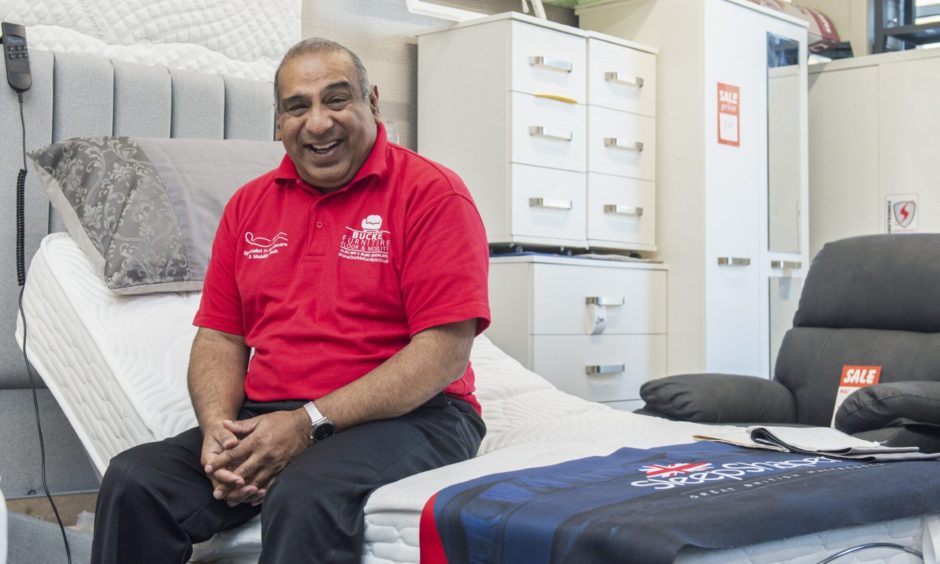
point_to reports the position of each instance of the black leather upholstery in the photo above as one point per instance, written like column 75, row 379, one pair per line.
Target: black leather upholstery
column 866, row 301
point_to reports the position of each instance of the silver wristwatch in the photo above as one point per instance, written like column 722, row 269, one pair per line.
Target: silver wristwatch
column 320, row 427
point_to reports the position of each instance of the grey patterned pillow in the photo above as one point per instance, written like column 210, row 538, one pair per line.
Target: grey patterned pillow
column 145, row 210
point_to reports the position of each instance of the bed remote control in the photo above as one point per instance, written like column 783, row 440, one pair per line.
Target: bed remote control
column 16, row 57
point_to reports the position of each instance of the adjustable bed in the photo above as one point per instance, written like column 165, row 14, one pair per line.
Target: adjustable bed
column 115, row 361
column 116, row 364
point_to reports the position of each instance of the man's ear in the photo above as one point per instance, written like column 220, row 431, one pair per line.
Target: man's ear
column 374, row 101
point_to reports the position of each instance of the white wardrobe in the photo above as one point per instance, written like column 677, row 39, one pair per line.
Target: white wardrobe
column 732, row 192
column 873, row 146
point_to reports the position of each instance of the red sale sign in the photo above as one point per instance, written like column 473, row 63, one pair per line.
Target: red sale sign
column 854, row 377
column 859, row 376
column 729, row 114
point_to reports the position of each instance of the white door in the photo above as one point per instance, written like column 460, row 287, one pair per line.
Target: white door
column 735, row 149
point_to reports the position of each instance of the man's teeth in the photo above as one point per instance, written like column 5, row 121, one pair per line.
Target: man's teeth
column 323, row 148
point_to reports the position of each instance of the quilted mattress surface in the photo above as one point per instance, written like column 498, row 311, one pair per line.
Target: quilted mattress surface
column 239, row 38
column 116, row 365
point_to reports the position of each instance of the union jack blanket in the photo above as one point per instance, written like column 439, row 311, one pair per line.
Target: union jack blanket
column 645, row 505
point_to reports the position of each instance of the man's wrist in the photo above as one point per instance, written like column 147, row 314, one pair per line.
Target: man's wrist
column 208, row 422
column 302, row 425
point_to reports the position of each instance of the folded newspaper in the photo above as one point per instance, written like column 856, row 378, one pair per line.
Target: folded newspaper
column 824, row 441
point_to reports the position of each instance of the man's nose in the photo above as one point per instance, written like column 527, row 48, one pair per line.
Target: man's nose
column 318, row 120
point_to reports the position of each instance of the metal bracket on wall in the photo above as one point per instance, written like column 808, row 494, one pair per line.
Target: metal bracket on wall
column 422, row 8
column 433, row 10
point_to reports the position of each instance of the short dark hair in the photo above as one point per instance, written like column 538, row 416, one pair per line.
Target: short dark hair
column 317, row 45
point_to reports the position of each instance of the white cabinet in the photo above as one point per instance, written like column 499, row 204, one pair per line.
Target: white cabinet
column 551, row 127
column 731, row 172
column 594, row 328
column 874, row 144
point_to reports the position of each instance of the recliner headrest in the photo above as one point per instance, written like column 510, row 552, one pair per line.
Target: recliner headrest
column 889, row 282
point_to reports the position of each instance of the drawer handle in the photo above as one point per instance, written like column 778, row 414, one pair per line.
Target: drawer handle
column 634, row 81
column 605, row 300
column 549, row 203
column 734, row 261
column 621, row 209
column 551, row 64
column 597, row 311
column 542, row 131
column 614, row 143
column 556, row 97
column 786, row 264
column 594, row 369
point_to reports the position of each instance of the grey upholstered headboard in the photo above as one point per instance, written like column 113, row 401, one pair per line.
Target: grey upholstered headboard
column 80, row 96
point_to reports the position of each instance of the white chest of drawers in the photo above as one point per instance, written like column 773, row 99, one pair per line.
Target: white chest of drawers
column 594, row 328
column 551, row 127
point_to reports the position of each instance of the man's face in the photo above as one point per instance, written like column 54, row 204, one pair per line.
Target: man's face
column 326, row 124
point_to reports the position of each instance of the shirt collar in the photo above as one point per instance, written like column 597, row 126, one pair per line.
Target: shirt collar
column 376, row 164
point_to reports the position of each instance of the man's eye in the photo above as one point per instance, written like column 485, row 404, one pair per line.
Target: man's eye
column 296, row 109
column 337, row 101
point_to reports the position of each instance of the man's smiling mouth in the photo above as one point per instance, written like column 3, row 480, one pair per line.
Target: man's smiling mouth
column 323, row 148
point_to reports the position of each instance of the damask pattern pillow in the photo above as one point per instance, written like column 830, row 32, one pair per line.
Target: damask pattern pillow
column 145, row 210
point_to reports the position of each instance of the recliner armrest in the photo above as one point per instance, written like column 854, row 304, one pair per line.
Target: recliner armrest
column 890, row 405
column 719, row 398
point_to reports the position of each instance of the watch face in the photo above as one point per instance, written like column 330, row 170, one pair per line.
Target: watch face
column 322, row 431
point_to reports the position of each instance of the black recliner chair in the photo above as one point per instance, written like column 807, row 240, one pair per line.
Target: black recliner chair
column 867, row 301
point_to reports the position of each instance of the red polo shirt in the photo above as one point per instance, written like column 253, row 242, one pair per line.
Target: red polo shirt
column 326, row 287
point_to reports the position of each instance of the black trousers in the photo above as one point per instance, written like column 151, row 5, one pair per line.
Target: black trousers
column 155, row 500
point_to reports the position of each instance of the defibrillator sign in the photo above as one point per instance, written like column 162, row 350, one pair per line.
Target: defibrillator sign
column 901, row 213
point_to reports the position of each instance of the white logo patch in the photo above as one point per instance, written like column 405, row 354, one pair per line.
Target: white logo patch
column 368, row 244
column 264, row 247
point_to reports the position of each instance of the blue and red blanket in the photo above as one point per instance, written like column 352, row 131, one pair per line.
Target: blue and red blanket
column 646, row 505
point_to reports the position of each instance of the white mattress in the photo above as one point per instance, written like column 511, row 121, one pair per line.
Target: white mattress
column 239, row 38
column 117, row 364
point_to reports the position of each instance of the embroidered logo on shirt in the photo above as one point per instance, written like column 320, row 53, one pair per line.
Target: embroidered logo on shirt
column 368, row 244
column 264, row 247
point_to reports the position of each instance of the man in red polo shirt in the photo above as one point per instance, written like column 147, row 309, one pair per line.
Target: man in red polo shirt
column 356, row 275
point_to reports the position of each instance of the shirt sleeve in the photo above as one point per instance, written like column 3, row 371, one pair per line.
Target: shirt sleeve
column 444, row 275
column 220, row 307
